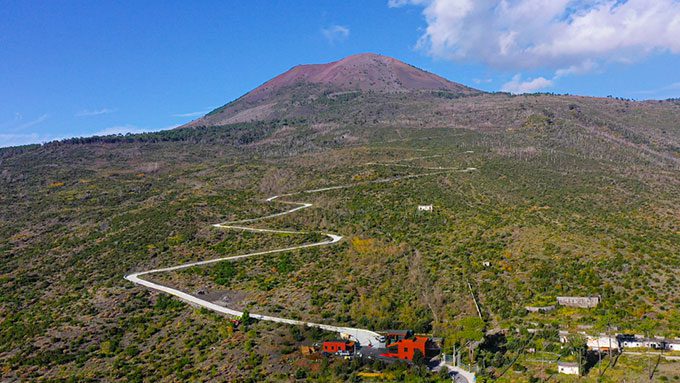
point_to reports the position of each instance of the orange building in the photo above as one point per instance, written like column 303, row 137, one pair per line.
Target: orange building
column 338, row 347
column 406, row 348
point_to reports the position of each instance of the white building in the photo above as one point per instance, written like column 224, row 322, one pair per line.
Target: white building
column 673, row 345
column 639, row 341
column 583, row 302
column 424, row 207
column 654, row 343
column 633, row 341
column 568, row 368
column 602, row 342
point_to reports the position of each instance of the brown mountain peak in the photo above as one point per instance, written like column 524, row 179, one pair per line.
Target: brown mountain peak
column 362, row 72
column 365, row 71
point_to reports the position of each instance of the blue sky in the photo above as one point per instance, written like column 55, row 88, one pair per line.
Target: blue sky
column 78, row 68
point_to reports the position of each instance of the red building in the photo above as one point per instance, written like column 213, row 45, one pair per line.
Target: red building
column 338, row 347
column 406, row 348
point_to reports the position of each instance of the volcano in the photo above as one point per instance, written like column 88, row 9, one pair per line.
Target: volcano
column 366, row 72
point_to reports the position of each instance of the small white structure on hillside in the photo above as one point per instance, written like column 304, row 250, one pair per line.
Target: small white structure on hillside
column 631, row 342
column 655, row 343
column 673, row 345
column 568, row 368
column 583, row 302
column 486, row 263
column 424, row 207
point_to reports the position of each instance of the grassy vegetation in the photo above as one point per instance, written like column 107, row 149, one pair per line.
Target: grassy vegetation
column 553, row 210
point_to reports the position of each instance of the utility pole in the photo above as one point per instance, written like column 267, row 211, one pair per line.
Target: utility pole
column 608, row 333
column 599, row 356
column 610, row 344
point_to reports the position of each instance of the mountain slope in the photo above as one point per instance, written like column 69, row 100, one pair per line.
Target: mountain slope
column 365, row 72
column 572, row 196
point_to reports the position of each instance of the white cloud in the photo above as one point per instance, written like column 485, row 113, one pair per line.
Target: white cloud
column 13, row 135
column 13, row 122
column 517, row 86
column 584, row 67
column 335, row 33
column 95, row 112
column 191, row 114
column 664, row 89
column 401, row 3
column 31, row 123
column 482, row 80
column 11, row 139
column 567, row 35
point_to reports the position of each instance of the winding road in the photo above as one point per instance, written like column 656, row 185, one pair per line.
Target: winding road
column 363, row 336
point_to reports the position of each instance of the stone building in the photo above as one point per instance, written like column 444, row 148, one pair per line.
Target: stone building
column 583, row 302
